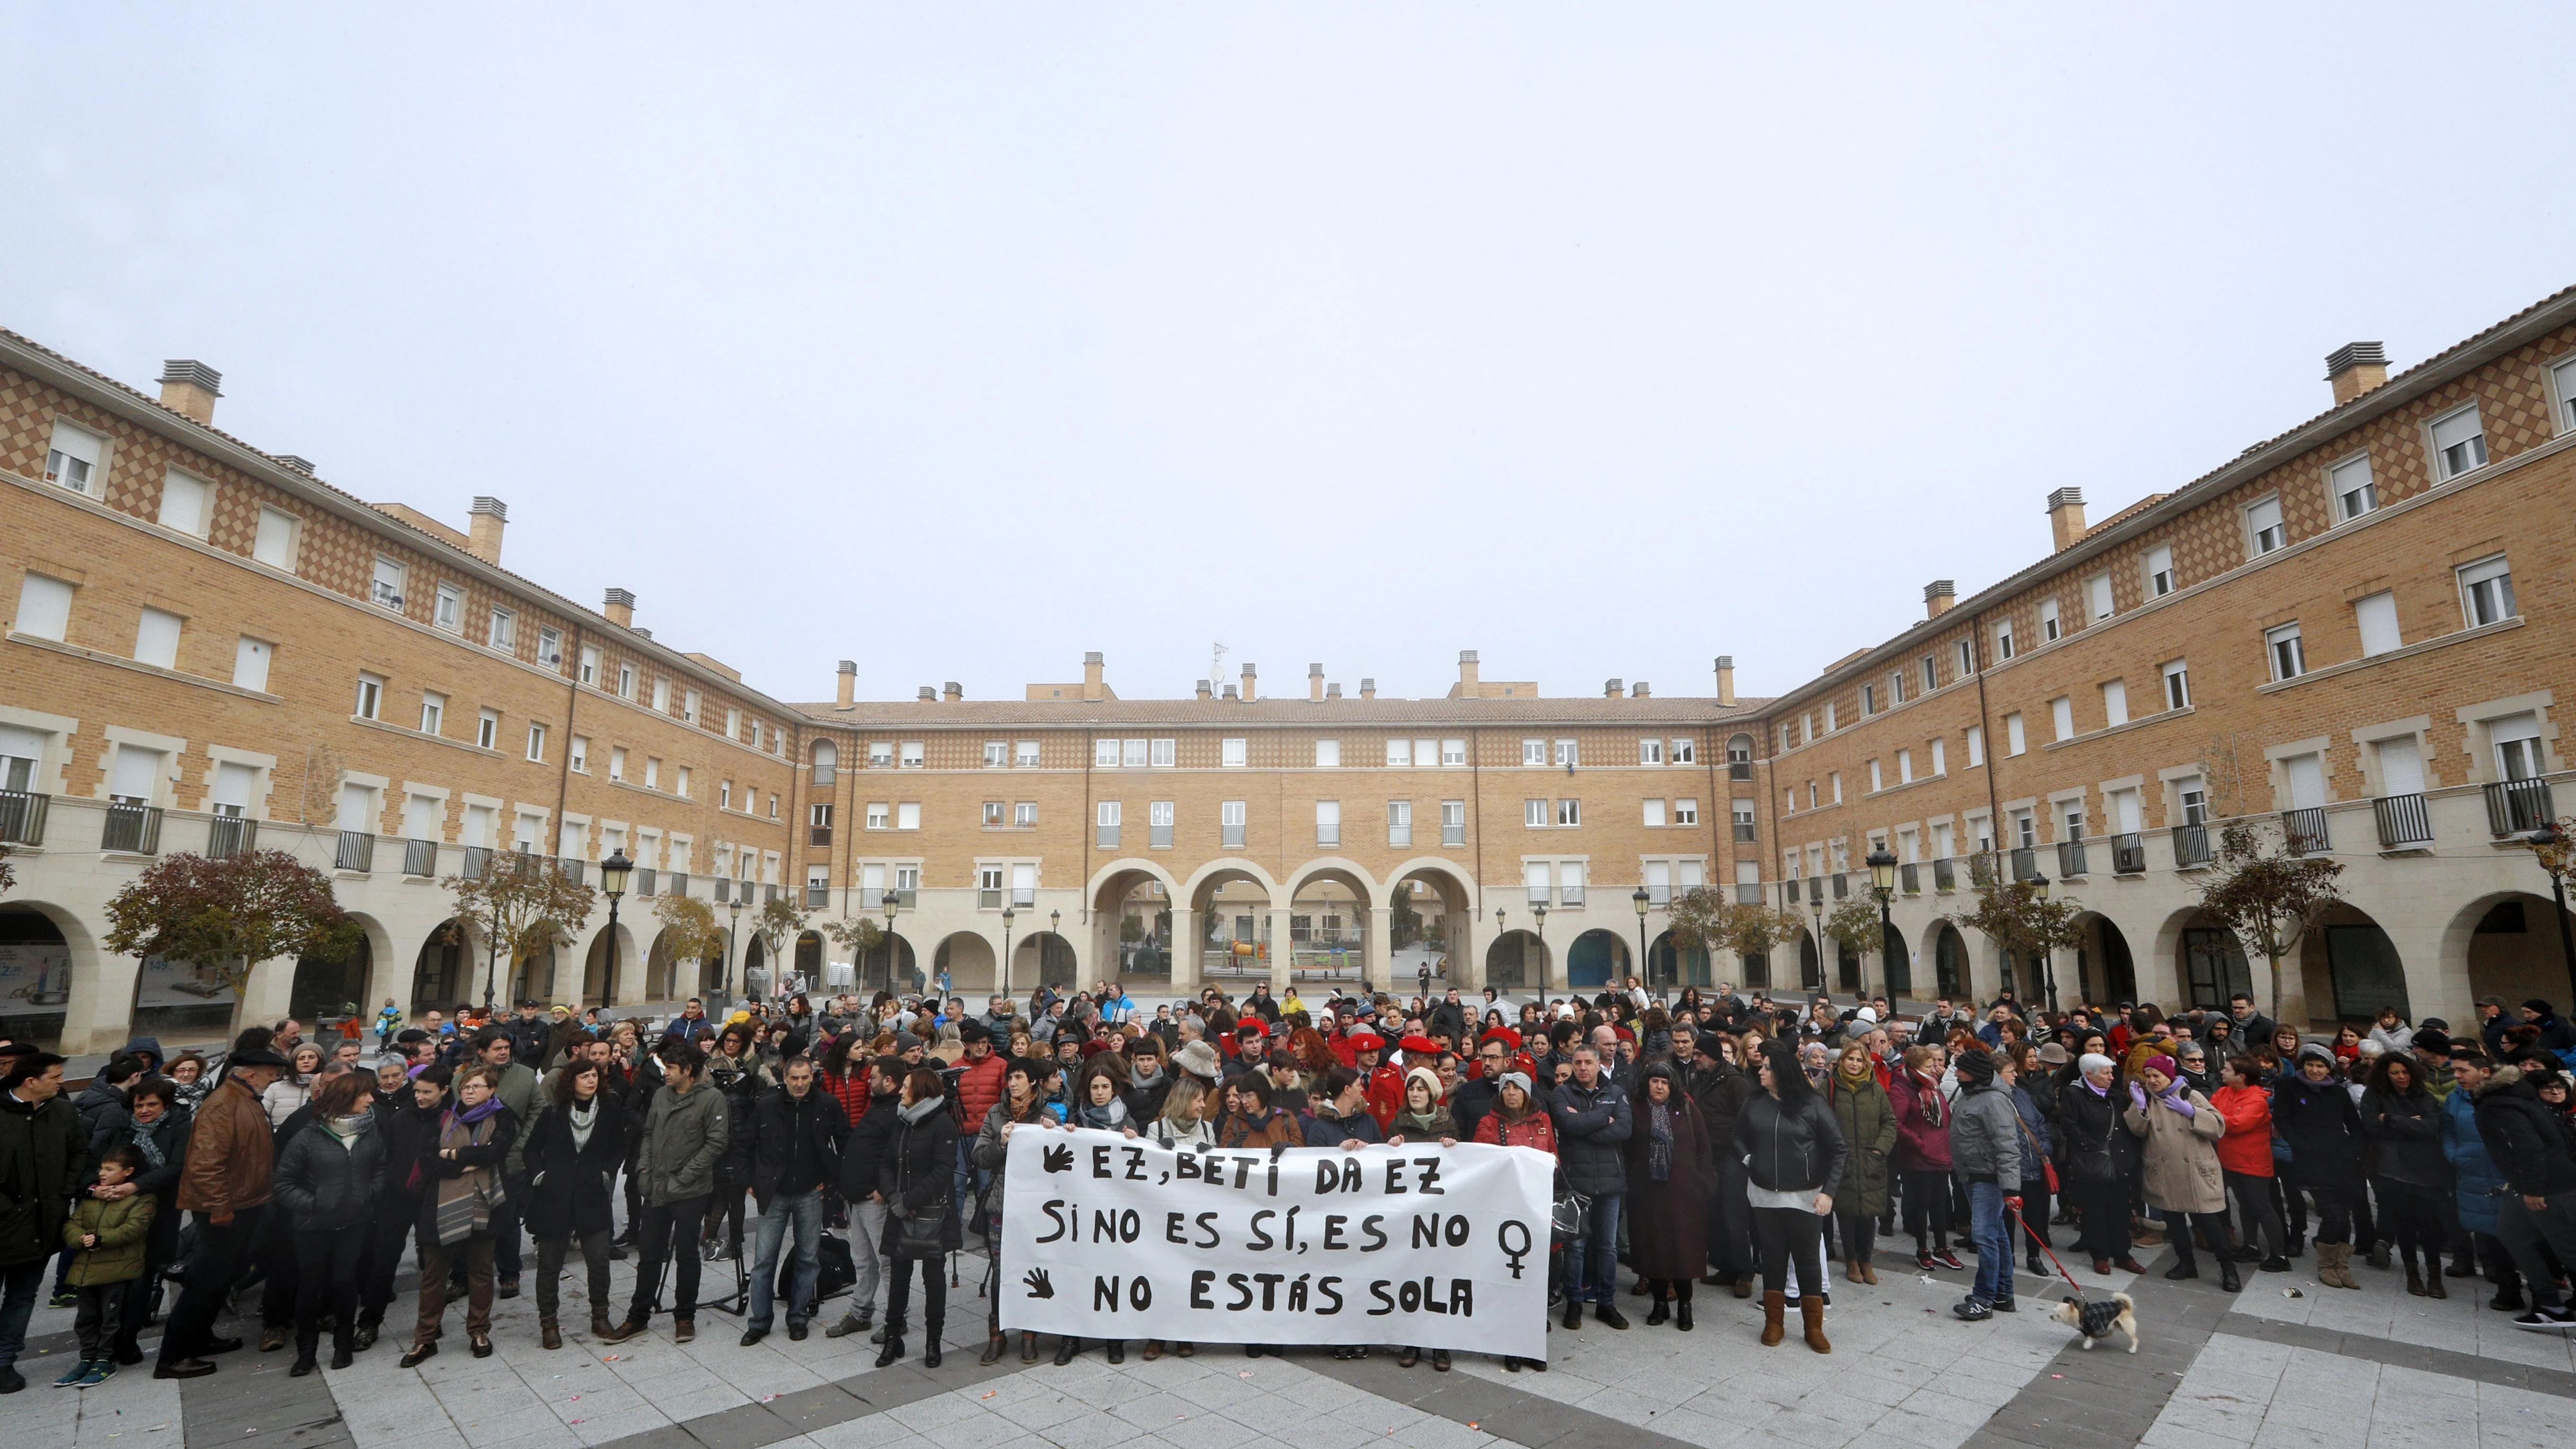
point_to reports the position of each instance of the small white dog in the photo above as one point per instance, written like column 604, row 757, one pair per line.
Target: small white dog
column 2100, row 1318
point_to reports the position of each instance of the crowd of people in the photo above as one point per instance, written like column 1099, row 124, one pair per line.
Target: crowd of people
column 1716, row 1138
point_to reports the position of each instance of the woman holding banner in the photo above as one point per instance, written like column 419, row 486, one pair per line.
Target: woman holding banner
column 1518, row 1121
column 1022, row 1104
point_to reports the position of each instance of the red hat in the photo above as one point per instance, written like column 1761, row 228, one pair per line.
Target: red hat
column 1251, row 1026
column 1503, row 1034
column 1422, row 1044
column 1366, row 1041
column 1093, row 1048
column 1623, row 1033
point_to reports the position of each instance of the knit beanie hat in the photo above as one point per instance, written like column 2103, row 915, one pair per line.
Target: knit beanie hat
column 1976, row 1067
column 2161, row 1063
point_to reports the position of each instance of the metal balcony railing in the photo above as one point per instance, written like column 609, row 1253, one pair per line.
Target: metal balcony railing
column 420, row 857
column 1570, row 895
column 1909, row 878
column 356, row 851
column 1748, row 893
column 1160, row 836
column 1538, row 897
column 1659, row 895
column 988, row 900
column 1815, row 889
column 22, row 817
column 1945, row 874
column 644, row 880
column 679, row 882
column 571, row 869
column 817, row 897
column 1982, row 868
column 1744, row 832
column 1842, row 885
column 478, row 859
column 2518, row 807
column 1108, row 838
column 1739, row 769
column 2025, row 862
column 724, row 890
column 134, row 829
column 2129, row 854
column 768, row 893
column 2191, row 846
column 819, row 835
column 1453, row 835
column 2306, row 832
column 2071, row 859
column 2403, row 821
column 1021, row 899
column 230, row 835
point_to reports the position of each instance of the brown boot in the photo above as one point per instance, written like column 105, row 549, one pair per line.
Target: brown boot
column 1851, row 1270
column 622, row 1332
column 1812, row 1311
column 599, row 1323
column 1744, row 1286
column 1869, row 1272
column 1775, row 1307
column 549, row 1333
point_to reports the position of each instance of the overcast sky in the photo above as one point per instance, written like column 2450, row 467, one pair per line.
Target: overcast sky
column 961, row 339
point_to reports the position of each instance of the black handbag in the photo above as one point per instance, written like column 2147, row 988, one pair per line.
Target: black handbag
column 925, row 1236
column 1565, row 1214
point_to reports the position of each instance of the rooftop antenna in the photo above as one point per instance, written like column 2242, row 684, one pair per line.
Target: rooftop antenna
column 1216, row 663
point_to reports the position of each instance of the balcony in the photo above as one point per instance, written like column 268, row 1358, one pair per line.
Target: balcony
column 679, row 882
column 22, row 817
column 1744, row 832
column 988, row 899
column 420, row 857
column 133, row 829
column 817, row 897
column 571, row 869
column 228, row 836
column 1945, row 875
column 1159, row 837
column 1108, row 838
column 2025, row 863
column 1748, row 893
column 1909, row 878
column 1450, row 835
column 2191, row 846
column 2129, row 854
column 1538, row 897
column 644, row 881
column 1981, row 868
column 768, row 894
column 2518, row 807
column 2071, row 859
column 1659, row 895
column 1842, row 884
column 2404, row 823
column 903, row 900
column 1570, row 895
column 1739, row 769
column 1815, row 889
column 818, row 835
column 2305, row 830
column 724, row 890
column 356, row 851
column 478, row 860
column 1023, row 897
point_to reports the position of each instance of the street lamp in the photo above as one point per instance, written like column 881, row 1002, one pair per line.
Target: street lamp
column 612, row 879
column 1004, row 975
column 1055, row 937
column 2047, row 958
column 733, row 939
column 890, row 902
column 1538, row 912
column 1882, row 884
column 2543, row 838
column 1641, row 900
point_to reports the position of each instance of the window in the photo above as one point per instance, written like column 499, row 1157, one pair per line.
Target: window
column 433, row 712
column 487, row 729
column 907, row 816
column 156, row 639
column 2050, row 630
column 1328, row 754
column 617, row 764
column 880, row 754
column 2160, row 571
column 1533, row 752
column 2115, row 702
column 74, row 459
column 1976, row 748
column 2562, row 381
column 997, row 753
column 2015, row 741
column 2193, row 799
column 1232, row 754
column 689, row 706
column 1742, row 815
column 1896, row 688
column 2307, row 774
column 2097, row 597
column 1132, row 754
column 1966, row 652
column 2025, row 829
column 2377, row 616
column 2003, row 641
column 910, row 757
column 1108, row 815
column 371, row 695
column 1399, row 822
column 1328, row 822
column 183, row 504
column 250, row 662
column 136, row 777
column 1569, row 882
column 1026, row 754
column 1104, row 754
column 1829, row 721
column 625, row 681
column 1566, row 754
column 2289, row 659
column 550, row 654
column 580, row 754
column 1940, row 760
column 880, row 815
column 1905, row 767
column 1868, row 700
column 2061, row 716
column 537, row 742
column 387, row 588
column 733, row 717
column 448, row 612
column 1650, row 752
column 2516, row 738
column 231, row 793
column 1654, row 812
column 1569, row 812
column 1158, row 824
column 2459, row 443
column 1453, row 822
column 2354, row 493
column 724, row 794
column 1399, row 754
column 1931, row 678
column 2177, row 684
column 502, row 632
column 680, row 784
column 1875, row 783
column 994, row 814
column 1833, row 778
column 1535, row 874
column 2486, row 591
column 1453, row 752
column 1534, row 813
column 1739, row 757
column 661, row 695
column 1229, row 816
column 1686, row 812
column 274, row 545
column 1165, row 754
column 2073, row 823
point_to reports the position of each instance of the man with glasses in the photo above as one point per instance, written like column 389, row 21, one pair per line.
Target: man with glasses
column 1473, row 1101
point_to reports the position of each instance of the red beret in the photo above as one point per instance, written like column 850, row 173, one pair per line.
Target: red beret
column 1093, row 1048
column 1624, row 1034
column 1503, row 1034
column 1419, row 1044
column 1251, row 1026
column 1366, row 1041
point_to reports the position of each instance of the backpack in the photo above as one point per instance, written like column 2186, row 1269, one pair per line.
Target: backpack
column 836, row 1277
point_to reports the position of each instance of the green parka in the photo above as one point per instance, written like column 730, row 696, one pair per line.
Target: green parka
column 1868, row 1120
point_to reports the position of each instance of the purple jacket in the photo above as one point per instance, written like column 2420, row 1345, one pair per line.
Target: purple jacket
column 1920, row 1146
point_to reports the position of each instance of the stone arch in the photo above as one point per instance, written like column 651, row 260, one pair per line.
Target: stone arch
column 1098, row 891
column 1896, row 966
column 1517, row 960
column 1446, row 939
column 55, row 983
column 2105, row 971
column 890, row 966
column 1811, row 963
column 809, row 959
column 969, row 960
column 320, row 987
column 1599, row 957
column 2207, row 961
column 669, row 980
column 1331, row 940
column 1952, row 966
column 2506, row 944
column 1045, row 957
column 2349, row 968
column 1348, row 873
column 1138, row 889
column 827, row 762
column 1670, row 968
column 1217, row 871
column 598, row 983
column 445, row 969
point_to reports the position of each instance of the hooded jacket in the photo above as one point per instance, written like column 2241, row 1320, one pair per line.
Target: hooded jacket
column 2476, row 1181
column 42, row 1162
column 326, row 1183
column 1985, row 1134
column 2523, row 1137
column 685, row 1136
column 124, row 1229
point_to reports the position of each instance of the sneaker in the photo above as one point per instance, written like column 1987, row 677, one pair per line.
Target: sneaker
column 1973, row 1310
column 2548, row 1320
column 1926, row 1262
column 72, row 1376
column 1950, row 1260
column 63, row 1300
column 2004, row 1305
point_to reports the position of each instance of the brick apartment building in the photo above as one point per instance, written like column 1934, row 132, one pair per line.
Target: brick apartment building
column 2352, row 632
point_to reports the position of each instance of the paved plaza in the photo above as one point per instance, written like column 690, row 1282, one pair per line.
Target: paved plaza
column 2369, row 1370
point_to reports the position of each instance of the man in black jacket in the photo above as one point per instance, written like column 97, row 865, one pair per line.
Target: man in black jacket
column 792, row 1149
column 43, row 1162
column 1593, row 1120
column 2530, row 1150
column 861, row 1152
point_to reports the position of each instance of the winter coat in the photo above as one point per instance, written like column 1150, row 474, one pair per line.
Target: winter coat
column 2478, row 1186
column 517, row 1090
column 2037, row 1135
column 42, row 1162
column 863, row 1150
column 1145, row 1099
column 1669, row 1233
column 169, row 1132
column 1326, row 1130
column 326, row 1184
column 919, row 1167
column 2524, row 1138
column 1535, row 1129
column 764, row 1142
column 2317, row 1119
column 684, row 1138
column 1469, row 1104
column 1921, row 1145
column 1417, row 1129
column 980, row 1085
column 124, row 1229
column 991, row 1152
column 1868, row 1124
column 1985, row 1135
column 231, row 1155
column 1792, row 1151
column 488, row 1145
column 101, row 1108
column 2181, row 1172
column 2092, row 1147
column 1722, row 1089
column 1591, row 1125
column 1279, row 1129
column 2408, row 1129
column 408, row 1133
column 2247, row 1147
column 283, row 1097
column 568, row 1194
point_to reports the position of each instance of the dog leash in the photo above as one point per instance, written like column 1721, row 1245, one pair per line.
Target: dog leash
column 2042, row 1244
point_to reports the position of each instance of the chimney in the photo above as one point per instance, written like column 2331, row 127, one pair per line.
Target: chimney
column 1726, row 679
column 620, row 608
column 1613, row 688
column 1332, row 691
column 2352, row 369
column 1315, row 681
column 486, row 519
column 1092, row 688
column 189, row 388
column 643, row 633
column 1938, row 596
column 849, row 685
column 1466, row 674
column 1368, row 689
column 928, row 694
column 2066, row 517
column 1638, row 690
column 952, row 692
column 1229, row 692
column 300, row 465
column 1248, row 672
column 1206, row 690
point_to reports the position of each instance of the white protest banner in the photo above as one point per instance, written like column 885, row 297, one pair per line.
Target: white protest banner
column 1103, row 1237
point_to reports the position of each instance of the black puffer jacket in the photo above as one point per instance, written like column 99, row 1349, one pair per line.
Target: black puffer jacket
column 863, row 1150
column 2092, row 1146
column 1592, row 1126
column 2524, row 1137
column 919, row 1167
column 325, row 1184
column 1785, row 1150
column 568, row 1185
column 2407, row 1127
column 785, row 1132
column 2324, row 1131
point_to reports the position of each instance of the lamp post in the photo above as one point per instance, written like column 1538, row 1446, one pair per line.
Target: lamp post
column 1882, row 884
column 612, row 879
column 2047, row 958
column 1642, row 900
column 1538, row 913
column 1004, row 975
column 890, row 903
column 733, row 939
column 1816, row 910
column 2546, row 836
column 1055, row 935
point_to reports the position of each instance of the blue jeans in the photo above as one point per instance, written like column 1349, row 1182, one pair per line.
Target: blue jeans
column 1992, row 1232
column 18, row 1285
column 804, row 1212
column 1592, row 1261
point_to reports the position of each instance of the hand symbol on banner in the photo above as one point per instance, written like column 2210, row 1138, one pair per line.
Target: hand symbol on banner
column 1059, row 1159
column 1038, row 1285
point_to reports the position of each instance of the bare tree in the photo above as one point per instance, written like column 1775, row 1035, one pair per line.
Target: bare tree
column 777, row 925
column 2268, row 895
column 2024, row 922
column 523, row 905
column 1854, row 926
column 689, row 933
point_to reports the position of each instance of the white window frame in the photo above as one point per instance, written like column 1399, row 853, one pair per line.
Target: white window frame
column 1534, row 754
column 2486, row 591
column 1328, row 824
column 200, row 495
column 2177, row 677
column 1328, row 754
column 81, row 468
column 1650, row 751
column 2100, row 600
column 2160, row 571
column 433, row 712
column 1453, row 753
column 1163, row 753
column 251, row 660
column 384, row 594
column 1569, row 754
column 2342, row 489
column 1686, row 812
column 2284, row 652
column 487, row 729
column 2016, row 735
column 1654, row 813
column 1234, row 753
column 2061, row 717
column 1132, row 754
column 2267, row 529
column 501, row 631
column 2115, row 702
column 1685, row 751
column 2375, row 617
column 1024, row 754
column 1569, row 812
column 1534, row 814
column 2562, row 391
column 907, row 815
column 1230, row 824
column 2003, row 641
column 910, row 756
column 2052, row 627
column 537, row 743
column 447, row 611
column 370, row 703
column 997, row 754
column 2471, row 448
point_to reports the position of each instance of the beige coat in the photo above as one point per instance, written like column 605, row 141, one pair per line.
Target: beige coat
column 2180, row 1170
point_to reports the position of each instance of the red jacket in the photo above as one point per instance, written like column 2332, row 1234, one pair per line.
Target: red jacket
column 2247, row 1147
column 1385, row 1093
column 979, row 1086
column 1535, row 1130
